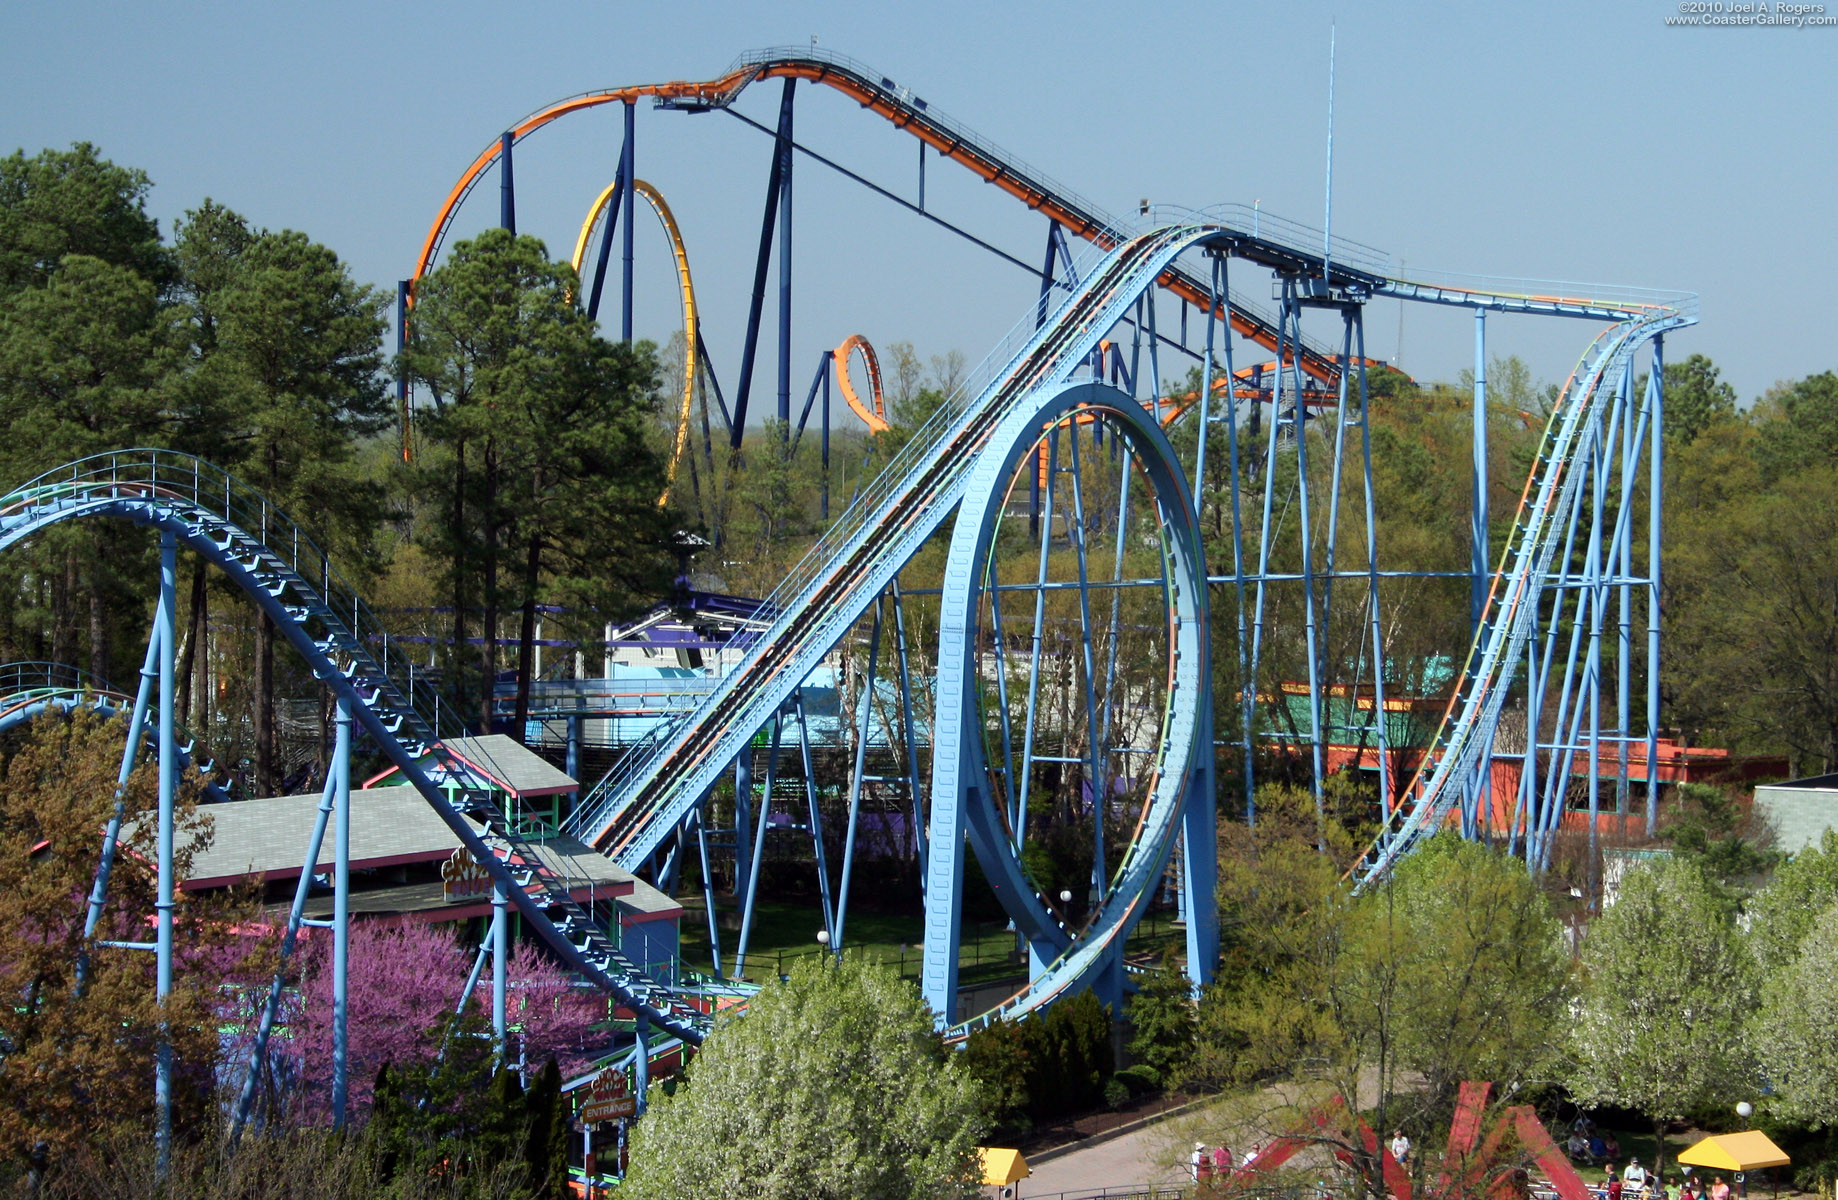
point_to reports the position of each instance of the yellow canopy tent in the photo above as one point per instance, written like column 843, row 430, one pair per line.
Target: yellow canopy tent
column 1002, row 1167
column 1735, row 1152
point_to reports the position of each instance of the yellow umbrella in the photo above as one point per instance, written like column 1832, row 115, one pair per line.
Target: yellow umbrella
column 1002, row 1167
column 1735, row 1152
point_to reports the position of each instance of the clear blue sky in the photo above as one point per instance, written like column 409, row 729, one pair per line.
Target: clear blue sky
column 1575, row 141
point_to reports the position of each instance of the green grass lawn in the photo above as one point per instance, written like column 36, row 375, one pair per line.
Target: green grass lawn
column 786, row 930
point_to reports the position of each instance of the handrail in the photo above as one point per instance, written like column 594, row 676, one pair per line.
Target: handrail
column 327, row 622
column 917, row 461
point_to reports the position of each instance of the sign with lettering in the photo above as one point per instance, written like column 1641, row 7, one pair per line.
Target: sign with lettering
column 462, row 878
column 608, row 1099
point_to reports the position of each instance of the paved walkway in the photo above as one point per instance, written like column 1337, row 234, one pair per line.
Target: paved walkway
column 1134, row 1158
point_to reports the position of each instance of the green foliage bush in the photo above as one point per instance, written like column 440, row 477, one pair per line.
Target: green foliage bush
column 1139, row 1078
column 1047, row 1068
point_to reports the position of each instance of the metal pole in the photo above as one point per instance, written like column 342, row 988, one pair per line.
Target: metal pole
column 500, row 966
column 629, row 196
column 784, row 149
column 855, row 777
column 507, row 185
column 816, row 818
column 825, row 510
column 1479, row 526
column 909, row 738
column 98, row 894
column 341, row 913
column 750, row 347
column 1310, row 631
column 1655, row 507
column 163, row 904
column 258, row 1054
column 407, row 447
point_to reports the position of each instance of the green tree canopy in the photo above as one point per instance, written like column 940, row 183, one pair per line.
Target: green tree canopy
column 1667, row 991
column 543, row 482
column 1696, row 398
column 1484, row 976
column 77, row 1064
column 1784, row 912
column 64, row 202
column 832, row 1087
column 1795, row 1035
column 1799, row 427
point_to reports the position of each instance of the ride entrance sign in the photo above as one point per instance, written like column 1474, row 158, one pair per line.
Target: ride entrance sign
column 608, row 1099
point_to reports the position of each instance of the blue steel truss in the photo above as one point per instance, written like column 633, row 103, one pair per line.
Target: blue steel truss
column 277, row 565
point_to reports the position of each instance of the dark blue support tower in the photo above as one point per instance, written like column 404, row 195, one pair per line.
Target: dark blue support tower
column 626, row 177
column 781, row 153
column 784, row 147
column 507, row 183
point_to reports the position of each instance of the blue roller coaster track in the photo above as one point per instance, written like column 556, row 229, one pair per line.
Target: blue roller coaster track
column 1041, row 382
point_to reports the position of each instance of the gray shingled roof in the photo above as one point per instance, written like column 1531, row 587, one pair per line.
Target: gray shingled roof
column 510, row 762
column 394, row 824
column 257, row 837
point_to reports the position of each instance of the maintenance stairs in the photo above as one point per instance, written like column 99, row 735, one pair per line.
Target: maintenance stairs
column 238, row 529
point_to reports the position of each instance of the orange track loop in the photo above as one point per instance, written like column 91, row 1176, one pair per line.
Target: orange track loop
column 730, row 85
column 681, row 256
column 876, row 417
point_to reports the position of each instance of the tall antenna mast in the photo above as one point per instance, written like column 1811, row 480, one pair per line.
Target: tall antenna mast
column 1327, row 224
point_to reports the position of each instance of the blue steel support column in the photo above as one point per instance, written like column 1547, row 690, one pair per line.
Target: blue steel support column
column 1656, row 494
column 163, row 904
column 1379, row 710
column 1478, row 526
column 629, row 195
column 98, row 893
column 1310, row 631
column 855, row 776
column 816, row 819
column 785, row 153
column 708, row 895
column 507, row 184
column 824, row 512
column 573, row 759
column 1040, row 318
column 613, row 205
column 1200, row 861
column 906, row 724
column 641, row 1063
column 1097, row 781
column 341, row 913
column 763, row 822
column 500, row 969
column 749, row 348
column 1624, row 600
column 1479, row 541
column 743, row 816
column 258, row 1053
column 402, row 415
column 1247, row 693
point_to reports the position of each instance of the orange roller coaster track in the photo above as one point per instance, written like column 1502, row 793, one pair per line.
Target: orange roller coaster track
column 900, row 108
column 874, row 417
column 684, row 284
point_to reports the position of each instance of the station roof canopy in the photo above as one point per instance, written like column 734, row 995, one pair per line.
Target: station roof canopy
column 506, row 762
column 1002, row 1167
column 1736, row 1152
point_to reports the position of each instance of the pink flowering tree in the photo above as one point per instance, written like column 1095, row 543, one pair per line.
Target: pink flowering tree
column 402, row 987
column 553, row 1014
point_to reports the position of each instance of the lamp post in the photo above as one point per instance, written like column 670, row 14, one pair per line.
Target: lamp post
column 1745, row 1110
